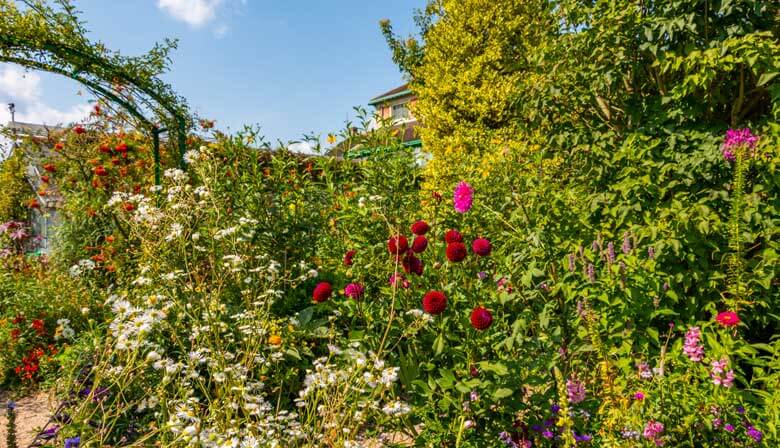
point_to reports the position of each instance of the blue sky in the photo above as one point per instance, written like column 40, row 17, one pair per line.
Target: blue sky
column 291, row 66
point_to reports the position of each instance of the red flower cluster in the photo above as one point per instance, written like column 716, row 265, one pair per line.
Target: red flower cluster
column 49, row 167
column 38, row 326
column 481, row 247
column 348, row 257
column 419, row 244
column 30, row 364
column 453, row 236
column 481, row 318
column 100, row 170
column 456, row 251
column 322, row 292
column 397, row 244
column 79, row 129
column 420, row 227
column 434, row 302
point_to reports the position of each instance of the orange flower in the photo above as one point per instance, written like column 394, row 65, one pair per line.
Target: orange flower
column 58, row 146
column 49, row 167
column 33, row 203
column 128, row 206
column 275, row 339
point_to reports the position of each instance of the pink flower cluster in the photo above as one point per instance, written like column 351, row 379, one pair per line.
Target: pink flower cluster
column 652, row 432
column 576, row 391
column 693, row 348
column 736, row 138
column 463, row 197
column 719, row 375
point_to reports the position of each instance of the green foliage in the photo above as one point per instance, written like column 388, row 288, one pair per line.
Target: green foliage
column 16, row 189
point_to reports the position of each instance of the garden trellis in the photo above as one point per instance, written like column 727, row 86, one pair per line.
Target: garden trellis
column 38, row 36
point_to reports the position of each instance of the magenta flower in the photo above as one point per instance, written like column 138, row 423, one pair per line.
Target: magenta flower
column 653, row 430
column 463, row 197
column 354, row 291
column 576, row 391
column 719, row 375
column 693, row 348
column 737, row 138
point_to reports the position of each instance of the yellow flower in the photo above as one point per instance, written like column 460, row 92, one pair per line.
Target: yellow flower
column 331, row 139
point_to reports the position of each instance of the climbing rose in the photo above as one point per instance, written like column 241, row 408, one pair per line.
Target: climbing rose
column 434, row 302
column 481, row 318
column 420, row 227
column 481, row 247
column 463, row 197
column 122, row 147
column 348, row 257
column 322, row 292
column 79, row 129
column 728, row 318
column 104, row 149
column 397, row 244
column 419, row 244
column 354, row 291
column 453, row 236
column 456, row 252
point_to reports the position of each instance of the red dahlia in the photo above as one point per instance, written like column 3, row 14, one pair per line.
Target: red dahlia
column 481, row 318
column 728, row 318
column 397, row 244
column 322, row 292
column 412, row 265
column 348, row 257
column 419, row 244
column 481, row 247
column 456, row 252
column 420, row 227
column 100, row 170
column 434, row 302
column 453, row 236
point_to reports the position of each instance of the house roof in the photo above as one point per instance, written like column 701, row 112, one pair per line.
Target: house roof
column 32, row 129
column 391, row 94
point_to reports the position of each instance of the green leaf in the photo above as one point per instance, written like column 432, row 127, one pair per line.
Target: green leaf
column 503, row 392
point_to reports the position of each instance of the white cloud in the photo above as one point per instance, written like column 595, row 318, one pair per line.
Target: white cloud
column 195, row 13
column 302, row 147
column 24, row 90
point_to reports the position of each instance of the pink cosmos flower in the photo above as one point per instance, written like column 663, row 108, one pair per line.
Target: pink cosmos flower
column 463, row 197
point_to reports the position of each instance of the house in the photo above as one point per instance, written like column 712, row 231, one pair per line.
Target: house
column 393, row 109
column 42, row 219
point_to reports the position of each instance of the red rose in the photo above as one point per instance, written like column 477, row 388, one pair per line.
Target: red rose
column 419, row 244
column 129, row 207
column 456, row 252
column 58, row 146
column 397, row 244
column 481, row 319
column 453, row 236
column 104, row 149
column 412, row 265
column 434, row 302
column 100, row 170
column 481, row 247
column 420, row 227
column 79, row 129
column 50, row 167
column 348, row 257
column 122, row 147
column 322, row 292
column 728, row 318
column 45, row 179
column 115, row 161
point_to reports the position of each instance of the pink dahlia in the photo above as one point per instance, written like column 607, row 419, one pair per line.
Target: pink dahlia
column 481, row 247
column 463, row 197
column 354, row 291
column 728, row 318
column 481, row 318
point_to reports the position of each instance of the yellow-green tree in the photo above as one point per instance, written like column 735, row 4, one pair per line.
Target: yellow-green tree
column 466, row 75
column 15, row 188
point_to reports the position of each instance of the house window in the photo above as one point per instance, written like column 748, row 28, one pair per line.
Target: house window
column 400, row 112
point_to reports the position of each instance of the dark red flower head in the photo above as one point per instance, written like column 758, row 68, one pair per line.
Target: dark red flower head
column 122, row 147
column 728, row 318
column 481, row 319
column 419, row 244
column 397, row 244
column 456, row 252
column 104, row 149
column 79, row 129
column 481, row 247
column 49, row 167
column 420, row 227
column 100, row 170
column 348, row 257
column 128, row 206
column 434, row 302
column 453, row 236
column 59, row 146
column 412, row 265
column 322, row 292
